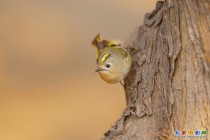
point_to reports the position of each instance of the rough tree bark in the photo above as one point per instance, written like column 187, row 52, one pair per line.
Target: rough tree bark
column 168, row 87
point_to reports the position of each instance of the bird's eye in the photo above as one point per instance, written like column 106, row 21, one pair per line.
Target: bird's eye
column 108, row 65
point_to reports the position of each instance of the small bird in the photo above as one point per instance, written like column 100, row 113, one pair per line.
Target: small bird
column 113, row 61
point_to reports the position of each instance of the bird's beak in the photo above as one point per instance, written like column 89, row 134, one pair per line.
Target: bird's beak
column 99, row 69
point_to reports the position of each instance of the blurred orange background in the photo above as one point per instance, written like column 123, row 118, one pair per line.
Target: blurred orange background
column 49, row 90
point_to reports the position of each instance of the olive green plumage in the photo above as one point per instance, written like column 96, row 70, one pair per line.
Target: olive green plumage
column 113, row 61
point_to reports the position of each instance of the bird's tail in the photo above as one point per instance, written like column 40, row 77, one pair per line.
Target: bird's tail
column 97, row 42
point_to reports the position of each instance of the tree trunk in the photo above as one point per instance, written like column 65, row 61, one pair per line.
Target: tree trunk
column 168, row 87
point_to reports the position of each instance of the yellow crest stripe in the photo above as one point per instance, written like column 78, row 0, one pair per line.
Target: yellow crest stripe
column 104, row 57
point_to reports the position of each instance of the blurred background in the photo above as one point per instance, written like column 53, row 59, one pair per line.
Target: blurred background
column 49, row 90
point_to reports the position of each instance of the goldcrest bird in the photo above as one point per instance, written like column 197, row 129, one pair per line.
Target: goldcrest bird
column 113, row 61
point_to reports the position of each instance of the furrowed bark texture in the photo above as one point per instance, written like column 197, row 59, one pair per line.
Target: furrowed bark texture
column 168, row 87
